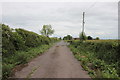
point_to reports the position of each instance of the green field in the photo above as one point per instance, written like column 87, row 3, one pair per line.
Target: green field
column 99, row 57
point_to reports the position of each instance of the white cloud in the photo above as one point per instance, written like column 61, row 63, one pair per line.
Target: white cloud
column 59, row 0
column 65, row 17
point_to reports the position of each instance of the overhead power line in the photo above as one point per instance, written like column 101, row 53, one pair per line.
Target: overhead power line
column 87, row 9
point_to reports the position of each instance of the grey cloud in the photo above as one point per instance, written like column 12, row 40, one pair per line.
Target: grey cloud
column 66, row 18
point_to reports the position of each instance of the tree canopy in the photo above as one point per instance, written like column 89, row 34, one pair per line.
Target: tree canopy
column 89, row 38
column 82, row 36
column 97, row 38
column 68, row 37
column 47, row 30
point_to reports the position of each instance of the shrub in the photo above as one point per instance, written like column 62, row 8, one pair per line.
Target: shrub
column 6, row 70
column 100, row 55
column 19, row 46
column 21, row 39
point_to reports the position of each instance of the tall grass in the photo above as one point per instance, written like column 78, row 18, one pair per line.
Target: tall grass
column 21, row 57
column 99, row 57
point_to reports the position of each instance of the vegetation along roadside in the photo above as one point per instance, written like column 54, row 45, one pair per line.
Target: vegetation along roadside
column 19, row 46
column 100, row 58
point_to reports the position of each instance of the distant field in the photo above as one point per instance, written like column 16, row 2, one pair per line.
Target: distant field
column 108, row 41
column 114, row 42
column 103, row 40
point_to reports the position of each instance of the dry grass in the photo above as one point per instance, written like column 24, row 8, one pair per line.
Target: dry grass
column 103, row 40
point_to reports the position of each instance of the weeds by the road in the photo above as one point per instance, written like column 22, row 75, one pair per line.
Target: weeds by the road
column 21, row 57
column 33, row 70
column 19, row 46
column 100, row 59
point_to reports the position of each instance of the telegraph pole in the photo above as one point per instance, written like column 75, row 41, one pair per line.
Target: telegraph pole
column 82, row 35
column 83, row 21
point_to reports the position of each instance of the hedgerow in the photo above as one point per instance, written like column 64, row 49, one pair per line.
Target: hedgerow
column 20, row 39
column 19, row 46
column 99, row 58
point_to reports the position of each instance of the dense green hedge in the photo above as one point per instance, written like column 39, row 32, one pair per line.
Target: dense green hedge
column 100, row 54
column 20, row 39
column 19, row 46
column 106, row 51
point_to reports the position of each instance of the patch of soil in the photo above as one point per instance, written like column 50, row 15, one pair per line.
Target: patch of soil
column 18, row 68
column 57, row 46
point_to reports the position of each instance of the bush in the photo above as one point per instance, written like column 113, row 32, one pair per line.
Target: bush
column 99, row 55
column 21, row 58
column 18, row 42
column 6, row 70
column 19, row 46
column 7, row 44
column 20, row 39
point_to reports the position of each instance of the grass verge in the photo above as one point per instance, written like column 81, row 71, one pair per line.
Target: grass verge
column 21, row 57
column 97, row 58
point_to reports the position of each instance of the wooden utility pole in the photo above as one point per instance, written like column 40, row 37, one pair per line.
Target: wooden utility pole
column 83, row 21
column 83, row 34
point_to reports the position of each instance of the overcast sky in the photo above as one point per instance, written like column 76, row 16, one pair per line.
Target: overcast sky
column 101, row 18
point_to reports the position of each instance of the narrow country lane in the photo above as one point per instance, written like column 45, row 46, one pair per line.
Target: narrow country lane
column 57, row 62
